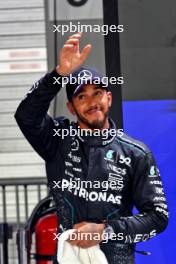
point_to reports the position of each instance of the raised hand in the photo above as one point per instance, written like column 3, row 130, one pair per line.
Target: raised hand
column 70, row 57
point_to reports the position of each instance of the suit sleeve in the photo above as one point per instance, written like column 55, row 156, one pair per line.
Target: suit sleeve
column 149, row 199
column 33, row 120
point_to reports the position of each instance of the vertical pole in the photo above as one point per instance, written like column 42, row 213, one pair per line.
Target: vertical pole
column 26, row 201
column 17, row 205
column 5, row 234
column 4, row 203
column 112, row 58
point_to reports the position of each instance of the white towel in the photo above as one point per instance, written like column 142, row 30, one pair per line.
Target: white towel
column 68, row 254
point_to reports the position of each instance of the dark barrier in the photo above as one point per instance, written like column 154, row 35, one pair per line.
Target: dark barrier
column 5, row 235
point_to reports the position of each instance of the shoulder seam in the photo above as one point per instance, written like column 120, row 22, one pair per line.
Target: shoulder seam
column 133, row 144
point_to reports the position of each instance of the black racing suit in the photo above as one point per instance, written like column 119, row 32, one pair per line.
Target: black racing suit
column 95, row 159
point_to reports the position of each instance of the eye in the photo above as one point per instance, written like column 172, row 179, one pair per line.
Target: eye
column 81, row 97
column 98, row 93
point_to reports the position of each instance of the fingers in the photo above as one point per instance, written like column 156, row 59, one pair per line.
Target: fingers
column 85, row 52
column 73, row 41
column 77, row 35
column 70, row 56
column 68, row 46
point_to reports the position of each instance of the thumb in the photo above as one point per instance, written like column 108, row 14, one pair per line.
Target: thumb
column 85, row 52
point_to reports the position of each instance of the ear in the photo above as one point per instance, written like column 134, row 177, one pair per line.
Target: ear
column 70, row 108
column 109, row 94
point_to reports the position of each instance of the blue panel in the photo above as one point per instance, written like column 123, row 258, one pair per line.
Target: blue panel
column 154, row 123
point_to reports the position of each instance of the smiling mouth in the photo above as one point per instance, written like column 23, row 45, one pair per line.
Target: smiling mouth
column 93, row 111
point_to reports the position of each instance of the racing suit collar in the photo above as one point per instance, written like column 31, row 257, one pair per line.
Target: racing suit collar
column 98, row 138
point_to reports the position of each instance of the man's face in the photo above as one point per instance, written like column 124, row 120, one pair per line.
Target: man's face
column 91, row 106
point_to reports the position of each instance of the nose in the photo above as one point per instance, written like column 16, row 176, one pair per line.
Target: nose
column 92, row 102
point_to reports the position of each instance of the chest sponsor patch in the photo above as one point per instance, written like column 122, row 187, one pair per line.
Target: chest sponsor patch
column 111, row 155
column 117, row 181
column 93, row 196
column 74, row 158
column 153, row 172
column 75, row 145
column 118, row 170
column 125, row 160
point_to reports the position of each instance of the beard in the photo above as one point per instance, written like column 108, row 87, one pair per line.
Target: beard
column 95, row 124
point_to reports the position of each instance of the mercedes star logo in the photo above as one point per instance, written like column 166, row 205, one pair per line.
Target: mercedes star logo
column 85, row 75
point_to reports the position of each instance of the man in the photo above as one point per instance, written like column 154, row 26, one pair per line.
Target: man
column 124, row 163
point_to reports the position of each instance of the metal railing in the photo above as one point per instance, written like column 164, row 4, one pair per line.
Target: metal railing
column 17, row 182
column 7, row 225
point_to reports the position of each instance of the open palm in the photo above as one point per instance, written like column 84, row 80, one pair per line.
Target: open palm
column 70, row 56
